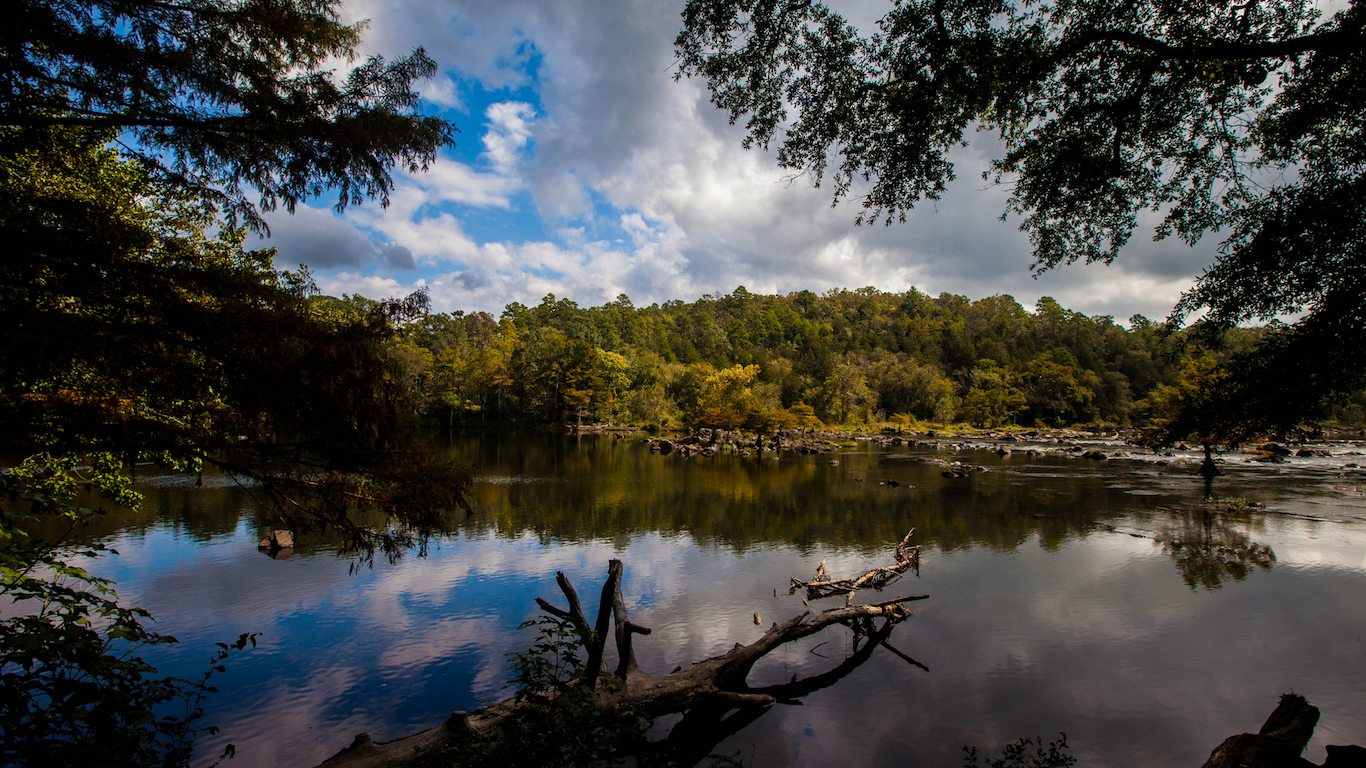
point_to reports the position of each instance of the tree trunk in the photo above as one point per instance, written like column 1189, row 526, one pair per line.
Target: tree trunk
column 1208, row 468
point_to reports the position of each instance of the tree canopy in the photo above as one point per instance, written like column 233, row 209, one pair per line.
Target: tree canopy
column 222, row 97
column 138, row 328
column 129, row 129
column 1245, row 119
column 136, row 331
column 755, row 362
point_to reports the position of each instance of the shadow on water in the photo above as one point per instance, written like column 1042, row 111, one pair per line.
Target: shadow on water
column 698, row 733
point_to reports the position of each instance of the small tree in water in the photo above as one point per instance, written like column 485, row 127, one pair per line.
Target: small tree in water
column 1196, row 407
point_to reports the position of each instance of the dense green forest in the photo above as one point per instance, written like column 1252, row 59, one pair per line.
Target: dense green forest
column 846, row 357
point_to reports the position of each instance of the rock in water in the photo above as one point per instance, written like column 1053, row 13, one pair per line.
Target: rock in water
column 1345, row 757
column 1277, row 745
column 277, row 540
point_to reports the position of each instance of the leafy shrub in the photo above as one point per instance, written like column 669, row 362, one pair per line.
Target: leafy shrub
column 1016, row 755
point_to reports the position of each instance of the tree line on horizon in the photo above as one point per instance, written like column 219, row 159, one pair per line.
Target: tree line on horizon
column 854, row 358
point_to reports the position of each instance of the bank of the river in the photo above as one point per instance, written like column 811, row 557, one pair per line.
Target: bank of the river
column 1099, row 598
column 1097, row 445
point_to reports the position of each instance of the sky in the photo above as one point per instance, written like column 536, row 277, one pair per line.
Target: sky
column 583, row 169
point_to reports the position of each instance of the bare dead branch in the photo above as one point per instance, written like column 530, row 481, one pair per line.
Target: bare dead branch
column 903, row 656
column 907, row 558
column 595, row 650
column 572, row 596
column 624, row 627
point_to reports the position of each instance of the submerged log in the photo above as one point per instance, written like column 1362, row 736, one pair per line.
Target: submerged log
column 706, row 691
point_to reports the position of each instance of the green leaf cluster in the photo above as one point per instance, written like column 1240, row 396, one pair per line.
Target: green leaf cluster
column 1213, row 117
column 223, row 98
column 745, row 361
column 1017, row 755
column 74, row 688
column 556, row 720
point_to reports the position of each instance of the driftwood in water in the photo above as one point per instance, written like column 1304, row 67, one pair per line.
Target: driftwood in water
column 1281, row 741
column 707, row 691
column 907, row 558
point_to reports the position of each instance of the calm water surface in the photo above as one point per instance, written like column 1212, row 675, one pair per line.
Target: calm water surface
column 1067, row 595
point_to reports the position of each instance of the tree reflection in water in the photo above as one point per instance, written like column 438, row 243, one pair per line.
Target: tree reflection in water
column 1208, row 546
column 697, row 735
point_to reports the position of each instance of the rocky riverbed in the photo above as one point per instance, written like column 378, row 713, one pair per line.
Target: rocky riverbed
column 1124, row 445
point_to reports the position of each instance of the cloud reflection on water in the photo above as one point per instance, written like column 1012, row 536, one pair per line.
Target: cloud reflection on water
column 1045, row 616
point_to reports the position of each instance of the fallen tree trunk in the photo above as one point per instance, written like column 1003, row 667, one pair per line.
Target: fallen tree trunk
column 706, row 691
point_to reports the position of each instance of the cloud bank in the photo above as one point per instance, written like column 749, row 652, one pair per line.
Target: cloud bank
column 585, row 170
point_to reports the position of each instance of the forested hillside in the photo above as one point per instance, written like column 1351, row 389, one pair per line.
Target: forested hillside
column 860, row 357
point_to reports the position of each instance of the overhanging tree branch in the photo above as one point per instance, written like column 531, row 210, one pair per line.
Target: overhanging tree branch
column 1330, row 41
column 224, row 125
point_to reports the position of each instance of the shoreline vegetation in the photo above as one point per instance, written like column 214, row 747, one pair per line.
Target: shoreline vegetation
column 849, row 361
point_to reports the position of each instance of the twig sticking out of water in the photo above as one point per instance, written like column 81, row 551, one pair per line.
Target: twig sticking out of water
column 907, row 558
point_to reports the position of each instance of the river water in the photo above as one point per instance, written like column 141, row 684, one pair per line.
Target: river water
column 1088, row 597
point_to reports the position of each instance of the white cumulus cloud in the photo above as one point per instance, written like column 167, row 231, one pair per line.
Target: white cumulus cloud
column 642, row 187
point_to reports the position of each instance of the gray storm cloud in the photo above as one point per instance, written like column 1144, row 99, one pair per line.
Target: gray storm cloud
column 323, row 241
